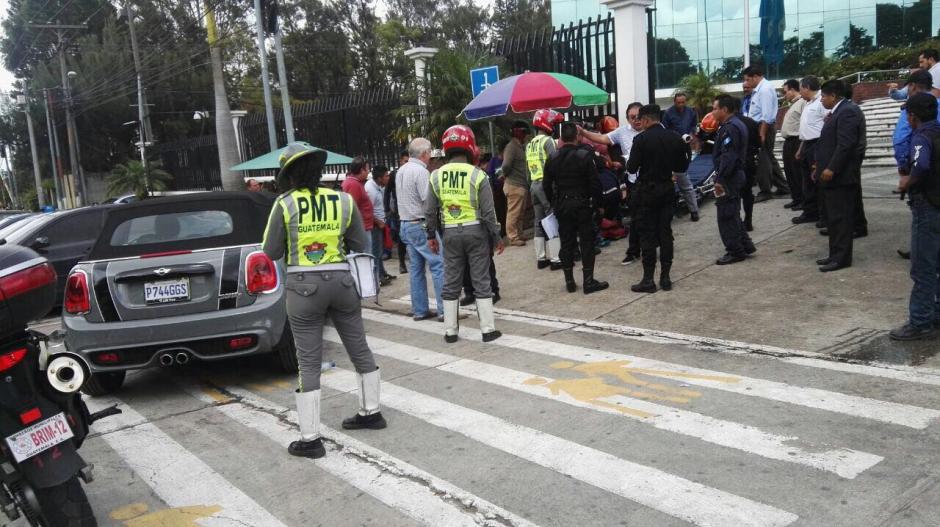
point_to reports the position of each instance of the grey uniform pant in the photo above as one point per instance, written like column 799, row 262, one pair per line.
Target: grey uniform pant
column 466, row 248
column 688, row 192
column 311, row 297
column 541, row 206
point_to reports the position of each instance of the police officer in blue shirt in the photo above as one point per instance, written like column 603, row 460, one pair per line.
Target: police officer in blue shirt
column 923, row 186
column 730, row 158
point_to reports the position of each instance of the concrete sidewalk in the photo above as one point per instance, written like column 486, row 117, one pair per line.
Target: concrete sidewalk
column 776, row 298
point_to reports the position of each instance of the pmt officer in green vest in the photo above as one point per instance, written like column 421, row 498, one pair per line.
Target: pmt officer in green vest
column 536, row 154
column 312, row 228
column 461, row 197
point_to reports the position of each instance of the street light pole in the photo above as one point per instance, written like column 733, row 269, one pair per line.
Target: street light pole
column 140, row 96
column 282, row 80
column 70, row 123
column 54, row 149
column 268, row 108
column 32, row 147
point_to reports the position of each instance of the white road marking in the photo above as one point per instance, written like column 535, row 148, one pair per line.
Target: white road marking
column 417, row 494
column 177, row 476
column 843, row 462
column 811, row 359
column 884, row 411
column 667, row 493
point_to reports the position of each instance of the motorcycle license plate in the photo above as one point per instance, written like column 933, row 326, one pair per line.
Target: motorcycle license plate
column 39, row 437
column 166, row 291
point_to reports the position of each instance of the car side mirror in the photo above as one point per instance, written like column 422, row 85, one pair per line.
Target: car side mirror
column 40, row 243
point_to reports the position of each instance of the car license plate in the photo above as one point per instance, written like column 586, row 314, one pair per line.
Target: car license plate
column 166, row 291
column 40, row 437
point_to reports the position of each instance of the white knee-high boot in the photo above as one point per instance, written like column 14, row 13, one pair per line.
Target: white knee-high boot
column 554, row 250
column 369, row 392
column 487, row 323
column 451, row 322
column 308, row 414
column 539, row 248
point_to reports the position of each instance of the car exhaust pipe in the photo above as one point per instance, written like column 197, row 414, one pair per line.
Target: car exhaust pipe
column 166, row 359
column 182, row 358
column 65, row 374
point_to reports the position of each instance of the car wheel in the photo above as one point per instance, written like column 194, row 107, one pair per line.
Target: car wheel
column 104, row 383
column 286, row 351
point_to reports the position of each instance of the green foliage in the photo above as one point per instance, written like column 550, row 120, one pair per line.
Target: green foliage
column 447, row 92
column 131, row 177
column 701, row 91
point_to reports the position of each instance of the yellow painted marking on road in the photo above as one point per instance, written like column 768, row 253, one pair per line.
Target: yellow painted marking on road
column 216, row 394
column 136, row 515
column 681, row 375
column 620, row 370
column 590, row 390
column 259, row 387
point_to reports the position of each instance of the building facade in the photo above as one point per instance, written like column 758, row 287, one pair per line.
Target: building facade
column 787, row 36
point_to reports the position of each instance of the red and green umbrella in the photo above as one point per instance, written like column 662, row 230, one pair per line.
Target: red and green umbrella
column 533, row 91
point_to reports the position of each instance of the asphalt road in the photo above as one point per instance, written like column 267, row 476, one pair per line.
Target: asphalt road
column 763, row 394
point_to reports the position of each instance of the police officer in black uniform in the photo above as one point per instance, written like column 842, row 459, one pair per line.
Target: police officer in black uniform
column 730, row 158
column 657, row 156
column 569, row 182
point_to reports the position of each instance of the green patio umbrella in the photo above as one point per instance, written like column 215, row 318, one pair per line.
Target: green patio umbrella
column 269, row 161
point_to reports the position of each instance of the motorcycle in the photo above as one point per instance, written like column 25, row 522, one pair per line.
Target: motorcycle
column 43, row 420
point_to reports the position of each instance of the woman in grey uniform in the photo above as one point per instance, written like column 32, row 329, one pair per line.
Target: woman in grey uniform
column 312, row 228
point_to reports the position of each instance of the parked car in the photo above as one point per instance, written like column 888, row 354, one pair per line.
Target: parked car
column 63, row 238
column 175, row 279
column 5, row 213
column 10, row 219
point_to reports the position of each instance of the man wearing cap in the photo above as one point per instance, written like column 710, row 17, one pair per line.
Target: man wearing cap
column 312, row 228
column 924, row 189
column 515, row 182
column 917, row 82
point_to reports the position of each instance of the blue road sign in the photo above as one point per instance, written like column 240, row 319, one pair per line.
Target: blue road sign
column 482, row 78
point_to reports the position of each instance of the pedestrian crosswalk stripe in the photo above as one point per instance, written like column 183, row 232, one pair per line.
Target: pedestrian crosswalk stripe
column 888, row 412
column 811, row 359
column 421, row 496
column 598, row 396
column 667, row 493
column 177, row 476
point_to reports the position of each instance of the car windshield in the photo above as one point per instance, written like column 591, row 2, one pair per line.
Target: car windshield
column 175, row 226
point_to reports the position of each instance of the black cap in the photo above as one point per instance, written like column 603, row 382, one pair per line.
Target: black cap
column 923, row 106
column 920, row 77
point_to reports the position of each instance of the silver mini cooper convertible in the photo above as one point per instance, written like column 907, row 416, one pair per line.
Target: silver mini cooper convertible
column 170, row 280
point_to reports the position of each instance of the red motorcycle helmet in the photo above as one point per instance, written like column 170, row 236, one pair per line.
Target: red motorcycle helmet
column 460, row 138
column 709, row 123
column 546, row 120
column 607, row 125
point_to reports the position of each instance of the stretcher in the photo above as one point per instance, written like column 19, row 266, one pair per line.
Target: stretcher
column 702, row 176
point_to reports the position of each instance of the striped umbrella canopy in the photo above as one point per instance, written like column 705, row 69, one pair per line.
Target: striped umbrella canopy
column 531, row 91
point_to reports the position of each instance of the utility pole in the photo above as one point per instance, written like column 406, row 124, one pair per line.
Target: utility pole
column 24, row 100
column 57, row 169
column 140, row 97
column 282, row 80
column 268, row 108
column 60, row 30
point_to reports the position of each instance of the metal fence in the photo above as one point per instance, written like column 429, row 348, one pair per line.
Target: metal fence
column 585, row 50
column 193, row 163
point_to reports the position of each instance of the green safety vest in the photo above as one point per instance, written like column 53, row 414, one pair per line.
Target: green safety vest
column 535, row 157
column 457, row 187
column 315, row 225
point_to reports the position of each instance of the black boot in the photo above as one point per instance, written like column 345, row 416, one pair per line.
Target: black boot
column 570, row 284
column 590, row 284
column 665, row 283
column 373, row 422
column 313, row 449
column 646, row 285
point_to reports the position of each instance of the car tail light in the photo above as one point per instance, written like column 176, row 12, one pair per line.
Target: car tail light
column 11, row 358
column 238, row 343
column 26, row 280
column 30, row 416
column 260, row 273
column 77, row 297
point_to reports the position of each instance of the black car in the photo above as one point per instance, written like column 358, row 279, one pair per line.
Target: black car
column 64, row 238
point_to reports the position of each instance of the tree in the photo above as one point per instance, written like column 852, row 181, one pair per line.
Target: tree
column 672, row 62
column 701, row 91
column 132, row 177
column 520, row 17
column 897, row 25
column 857, row 42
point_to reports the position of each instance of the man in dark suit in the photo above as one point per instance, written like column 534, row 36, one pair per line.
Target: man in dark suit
column 657, row 155
column 839, row 155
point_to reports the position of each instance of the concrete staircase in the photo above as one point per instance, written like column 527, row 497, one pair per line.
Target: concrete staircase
column 881, row 115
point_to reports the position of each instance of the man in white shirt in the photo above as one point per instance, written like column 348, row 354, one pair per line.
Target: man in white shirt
column 811, row 122
column 791, row 142
column 623, row 137
column 929, row 60
column 411, row 188
column 763, row 109
column 375, row 189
